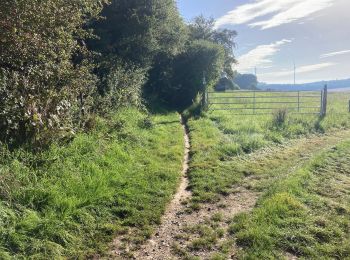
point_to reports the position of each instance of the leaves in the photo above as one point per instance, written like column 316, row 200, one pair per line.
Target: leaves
column 44, row 66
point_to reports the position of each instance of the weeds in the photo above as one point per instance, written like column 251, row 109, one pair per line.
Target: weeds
column 279, row 117
column 70, row 201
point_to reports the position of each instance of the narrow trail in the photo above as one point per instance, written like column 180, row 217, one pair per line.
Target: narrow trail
column 172, row 239
column 159, row 246
column 177, row 219
column 175, row 224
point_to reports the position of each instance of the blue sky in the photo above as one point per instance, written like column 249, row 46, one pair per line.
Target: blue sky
column 273, row 34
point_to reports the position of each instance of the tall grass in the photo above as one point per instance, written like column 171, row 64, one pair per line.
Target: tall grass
column 71, row 200
column 304, row 212
column 219, row 137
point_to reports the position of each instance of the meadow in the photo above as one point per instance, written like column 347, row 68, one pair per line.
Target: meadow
column 220, row 135
column 115, row 181
column 295, row 169
column 71, row 200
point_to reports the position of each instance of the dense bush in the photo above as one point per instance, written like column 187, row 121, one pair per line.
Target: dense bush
column 187, row 71
column 120, row 85
column 60, row 62
column 178, row 79
column 46, row 74
column 138, row 30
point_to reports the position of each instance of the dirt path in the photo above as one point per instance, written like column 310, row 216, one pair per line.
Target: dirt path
column 175, row 237
column 181, row 228
column 159, row 245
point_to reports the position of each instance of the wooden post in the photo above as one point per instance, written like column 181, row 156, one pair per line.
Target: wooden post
column 325, row 99
column 349, row 106
column 298, row 101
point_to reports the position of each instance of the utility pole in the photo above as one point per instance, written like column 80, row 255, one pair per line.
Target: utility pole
column 294, row 74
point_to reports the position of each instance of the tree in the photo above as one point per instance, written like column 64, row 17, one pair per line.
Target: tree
column 201, row 58
column 246, row 81
column 141, row 34
column 45, row 72
column 137, row 30
column 226, row 84
column 204, row 29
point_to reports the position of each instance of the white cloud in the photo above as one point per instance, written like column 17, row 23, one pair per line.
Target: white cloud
column 260, row 56
column 332, row 54
column 300, row 70
column 282, row 11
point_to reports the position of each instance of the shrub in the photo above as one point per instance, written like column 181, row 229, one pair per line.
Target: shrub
column 120, row 86
column 185, row 80
column 280, row 117
column 45, row 73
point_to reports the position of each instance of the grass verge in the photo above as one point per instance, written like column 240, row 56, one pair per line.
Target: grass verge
column 71, row 200
column 304, row 213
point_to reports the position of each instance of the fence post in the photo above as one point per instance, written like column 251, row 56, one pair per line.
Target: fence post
column 298, row 101
column 325, row 97
column 349, row 106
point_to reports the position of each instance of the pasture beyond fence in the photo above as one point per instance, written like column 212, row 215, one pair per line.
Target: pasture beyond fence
column 266, row 102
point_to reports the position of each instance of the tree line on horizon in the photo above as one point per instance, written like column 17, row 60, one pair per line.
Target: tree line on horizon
column 64, row 62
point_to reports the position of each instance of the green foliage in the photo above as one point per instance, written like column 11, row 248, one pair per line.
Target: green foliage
column 45, row 73
column 142, row 37
column 200, row 58
column 246, row 81
column 204, row 29
column 138, row 30
column 70, row 201
column 280, row 117
column 120, row 85
column 177, row 79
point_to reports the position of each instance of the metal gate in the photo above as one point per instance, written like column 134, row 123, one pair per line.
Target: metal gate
column 266, row 102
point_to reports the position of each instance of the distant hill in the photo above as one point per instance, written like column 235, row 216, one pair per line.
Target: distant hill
column 333, row 84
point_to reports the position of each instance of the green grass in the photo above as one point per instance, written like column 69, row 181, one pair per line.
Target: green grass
column 71, row 200
column 305, row 212
column 219, row 137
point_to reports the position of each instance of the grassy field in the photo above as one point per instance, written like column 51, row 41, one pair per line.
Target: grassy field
column 219, row 136
column 70, row 201
column 297, row 168
column 303, row 213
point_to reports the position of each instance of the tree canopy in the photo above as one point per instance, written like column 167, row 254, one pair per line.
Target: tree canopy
column 63, row 61
column 246, row 81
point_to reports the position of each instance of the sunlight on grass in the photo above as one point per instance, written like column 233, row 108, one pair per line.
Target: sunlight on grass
column 219, row 137
column 71, row 200
column 300, row 213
